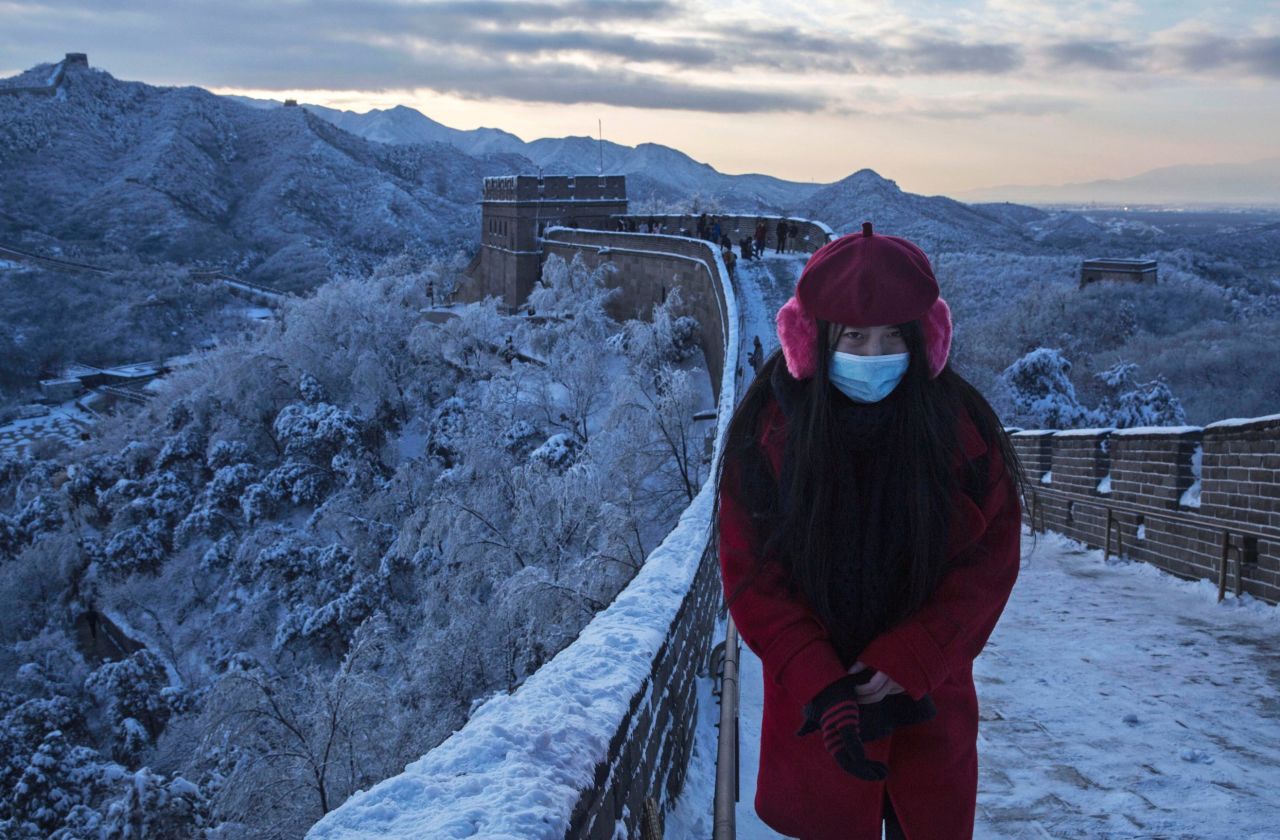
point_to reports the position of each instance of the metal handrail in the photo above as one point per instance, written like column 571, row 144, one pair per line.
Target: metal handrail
column 1225, row 527
column 1262, row 532
column 725, row 811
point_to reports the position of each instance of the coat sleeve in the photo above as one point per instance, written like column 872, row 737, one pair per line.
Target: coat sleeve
column 793, row 644
column 951, row 628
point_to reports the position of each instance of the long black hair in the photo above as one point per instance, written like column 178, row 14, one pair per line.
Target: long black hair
column 795, row 515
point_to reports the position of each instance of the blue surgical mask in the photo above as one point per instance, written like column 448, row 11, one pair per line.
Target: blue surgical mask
column 867, row 379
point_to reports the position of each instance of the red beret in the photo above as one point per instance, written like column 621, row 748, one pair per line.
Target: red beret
column 866, row 280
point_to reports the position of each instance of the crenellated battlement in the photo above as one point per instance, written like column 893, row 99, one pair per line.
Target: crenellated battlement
column 611, row 188
column 1196, row 502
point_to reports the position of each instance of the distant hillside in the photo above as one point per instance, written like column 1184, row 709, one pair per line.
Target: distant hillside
column 656, row 174
column 286, row 196
column 403, row 124
column 939, row 223
column 1256, row 183
column 278, row 195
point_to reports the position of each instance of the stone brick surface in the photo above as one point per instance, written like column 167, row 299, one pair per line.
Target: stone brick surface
column 1239, row 479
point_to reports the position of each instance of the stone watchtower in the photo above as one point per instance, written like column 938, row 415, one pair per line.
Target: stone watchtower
column 1134, row 271
column 516, row 209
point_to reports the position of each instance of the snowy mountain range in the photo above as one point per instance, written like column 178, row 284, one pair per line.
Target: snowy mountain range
column 660, row 178
column 289, row 196
column 281, row 196
column 1256, row 183
column 655, row 173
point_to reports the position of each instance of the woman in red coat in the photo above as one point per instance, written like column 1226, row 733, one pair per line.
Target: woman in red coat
column 869, row 530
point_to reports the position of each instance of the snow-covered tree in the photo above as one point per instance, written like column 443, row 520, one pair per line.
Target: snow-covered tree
column 1042, row 393
column 1129, row 404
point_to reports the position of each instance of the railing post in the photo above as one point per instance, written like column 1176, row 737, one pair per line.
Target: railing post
column 1222, row 565
column 724, row 826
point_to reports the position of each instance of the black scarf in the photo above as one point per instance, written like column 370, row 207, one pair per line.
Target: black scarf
column 869, row 581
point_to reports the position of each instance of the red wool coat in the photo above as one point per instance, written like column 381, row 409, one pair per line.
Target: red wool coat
column 933, row 766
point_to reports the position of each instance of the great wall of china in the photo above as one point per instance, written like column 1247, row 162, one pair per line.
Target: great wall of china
column 1194, row 502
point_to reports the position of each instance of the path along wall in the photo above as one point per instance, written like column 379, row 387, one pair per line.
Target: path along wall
column 648, row 269
column 1228, row 470
column 810, row 235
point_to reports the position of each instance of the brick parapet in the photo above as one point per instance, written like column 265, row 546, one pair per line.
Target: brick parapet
column 1241, row 470
column 1153, row 467
column 1234, row 465
column 649, row 268
column 810, row 235
column 1080, row 460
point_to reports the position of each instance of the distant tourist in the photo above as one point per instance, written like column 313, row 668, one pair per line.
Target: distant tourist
column 757, row 356
column 730, row 261
column 716, row 231
column 762, row 237
column 781, row 231
column 744, row 245
column 703, row 226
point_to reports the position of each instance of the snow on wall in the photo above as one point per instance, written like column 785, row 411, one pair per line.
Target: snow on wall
column 1155, row 430
column 1191, row 496
column 1242, row 421
column 519, row 765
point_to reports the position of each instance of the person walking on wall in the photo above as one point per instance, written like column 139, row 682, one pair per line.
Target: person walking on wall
column 730, row 260
column 762, row 236
column 869, row 525
column 781, row 233
column 756, row 357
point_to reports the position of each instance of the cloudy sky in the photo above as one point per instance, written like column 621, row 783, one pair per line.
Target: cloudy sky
column 940, row 96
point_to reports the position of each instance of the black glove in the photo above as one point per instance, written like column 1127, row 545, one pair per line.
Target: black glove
column 835, row 711
column 879, row 719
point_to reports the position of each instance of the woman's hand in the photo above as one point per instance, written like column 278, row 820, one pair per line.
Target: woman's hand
column 880, row 686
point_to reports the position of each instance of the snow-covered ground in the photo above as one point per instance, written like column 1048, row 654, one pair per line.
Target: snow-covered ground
column 63, row 422
column 1117, row 701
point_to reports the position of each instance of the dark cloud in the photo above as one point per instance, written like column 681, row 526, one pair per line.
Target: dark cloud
column 510, row 11
column 615, row 46
column 791, row 50
column 1262, row 56
column 1255, row 56
column 480, row 75
column 1097, row 55
column 939, row 56
column 561, row 51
